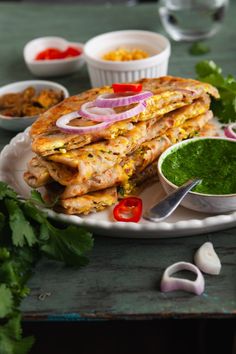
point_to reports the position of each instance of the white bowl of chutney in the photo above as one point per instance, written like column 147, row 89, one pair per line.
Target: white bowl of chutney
column 213, row 160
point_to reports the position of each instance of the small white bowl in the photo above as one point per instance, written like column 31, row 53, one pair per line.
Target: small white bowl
column 20, row 123
column 56, row 67
column 206, row 203
column 104, row 72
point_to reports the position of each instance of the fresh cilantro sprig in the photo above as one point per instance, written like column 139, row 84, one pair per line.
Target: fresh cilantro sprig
column 26, row 233
column 225, row 107
column 199, row 48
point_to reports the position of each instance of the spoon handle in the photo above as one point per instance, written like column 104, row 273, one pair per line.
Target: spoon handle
column 166, row 206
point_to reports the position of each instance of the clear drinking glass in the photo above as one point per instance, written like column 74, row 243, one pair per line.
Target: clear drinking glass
column 192, row 20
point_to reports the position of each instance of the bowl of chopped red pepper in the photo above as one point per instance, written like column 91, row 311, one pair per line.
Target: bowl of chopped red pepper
column 53, row 56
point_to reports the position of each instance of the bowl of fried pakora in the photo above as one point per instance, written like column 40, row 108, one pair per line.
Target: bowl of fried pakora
column 22, row 102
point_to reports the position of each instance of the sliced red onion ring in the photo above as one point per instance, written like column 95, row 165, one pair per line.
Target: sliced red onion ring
column 118, row 100
column 230, row 132
column 63, row 121
column 85, row 111
column 169, row 283
column 101, row 111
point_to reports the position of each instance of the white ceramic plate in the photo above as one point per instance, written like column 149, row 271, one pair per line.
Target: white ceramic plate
column 183, row 222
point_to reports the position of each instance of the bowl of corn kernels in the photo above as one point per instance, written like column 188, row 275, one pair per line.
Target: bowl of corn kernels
column 125, row 56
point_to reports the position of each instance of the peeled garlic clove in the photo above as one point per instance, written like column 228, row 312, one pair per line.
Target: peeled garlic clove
column 207, row 260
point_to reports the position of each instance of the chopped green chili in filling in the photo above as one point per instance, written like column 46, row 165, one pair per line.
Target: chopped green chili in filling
column 212, row 160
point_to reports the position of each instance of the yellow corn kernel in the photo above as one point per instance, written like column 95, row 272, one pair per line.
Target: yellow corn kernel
column 123, row 54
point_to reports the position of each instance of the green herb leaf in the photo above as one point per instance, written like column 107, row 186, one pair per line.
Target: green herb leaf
column 224, row 108
column 4, row 254
column 25, row 234
column 2, row 221
column 34, row 213
column 199, row 48
column 6, row 301
column 207, row 67
column 11, row 341
column 6, row 191
column 22, row 231
column 36, row 197
column 68, row 245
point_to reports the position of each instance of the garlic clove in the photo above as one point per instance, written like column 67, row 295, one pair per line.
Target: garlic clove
column 207, row 260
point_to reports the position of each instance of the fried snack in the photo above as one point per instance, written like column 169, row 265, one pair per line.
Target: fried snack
column 28, row 103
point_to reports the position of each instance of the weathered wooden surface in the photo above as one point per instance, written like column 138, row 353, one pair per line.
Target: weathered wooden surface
column 123, row 277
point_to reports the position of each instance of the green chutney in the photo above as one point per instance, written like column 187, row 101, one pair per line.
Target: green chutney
column 212, row 160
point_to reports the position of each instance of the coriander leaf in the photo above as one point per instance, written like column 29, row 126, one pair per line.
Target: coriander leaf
column 6, row 344
column 36, row 196
column 225, row 107
column 13, row 327
column 11, row 341
column 22, row 232
column 26, row 233
column 6, row 301
column 44, row 232
column 68, row 245
column 11, row 346
column 4, row 254
column 8, row 273
column 214, row 79
column 24, row 345
column 26, row 257
column 199, row 48
column 34, row 213
column 2, row 221
column 6, row 191
column 205, row 68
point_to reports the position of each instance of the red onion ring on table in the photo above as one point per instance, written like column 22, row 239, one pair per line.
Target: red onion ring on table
column 112, row 118
column 118, row 100
column 63, row 121
column 169, row 283
column 230, row 132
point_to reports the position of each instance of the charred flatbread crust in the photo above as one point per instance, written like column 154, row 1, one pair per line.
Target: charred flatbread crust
column 92, row 202
column 37, row 174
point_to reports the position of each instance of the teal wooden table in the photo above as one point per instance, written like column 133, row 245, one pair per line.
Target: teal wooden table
column 123, row 277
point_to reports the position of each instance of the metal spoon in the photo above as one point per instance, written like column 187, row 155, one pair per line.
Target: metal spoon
column 166, row 206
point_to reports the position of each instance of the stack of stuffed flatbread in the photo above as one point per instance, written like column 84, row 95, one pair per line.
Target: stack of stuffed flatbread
column 88, row 171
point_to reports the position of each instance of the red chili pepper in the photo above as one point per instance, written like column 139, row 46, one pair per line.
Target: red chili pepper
column 128, row 209
column 134, row 88
column 49, row 54
column 71, row 52
column 54, row 53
